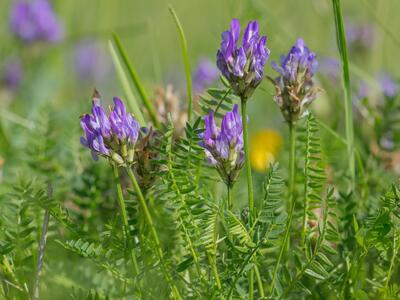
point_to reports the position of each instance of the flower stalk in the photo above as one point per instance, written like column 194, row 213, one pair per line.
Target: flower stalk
column 124, row 215
column 153, row 231
column 247, row 158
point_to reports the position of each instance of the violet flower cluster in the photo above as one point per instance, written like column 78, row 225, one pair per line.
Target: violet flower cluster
column 359, row 37
column 294, row 86
column 91, row 61
column 243, row 67
column 11, row 74
column 204, row 75
column 224, row 146
column 114, row 135
column 35, row 20
column 390, row 88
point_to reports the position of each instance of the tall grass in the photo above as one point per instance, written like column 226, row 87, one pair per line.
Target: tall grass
column 348, row 105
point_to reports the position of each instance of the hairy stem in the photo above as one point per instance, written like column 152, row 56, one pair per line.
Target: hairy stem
column 249, row 183
column 247, row 158
column 122, row 207
column 229, row 190
column 292, row 175
column 153, row 231
column 305, row 201
column 42, row 247
column 392, row 262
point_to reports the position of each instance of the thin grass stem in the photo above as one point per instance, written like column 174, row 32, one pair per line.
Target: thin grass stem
column 154, row 233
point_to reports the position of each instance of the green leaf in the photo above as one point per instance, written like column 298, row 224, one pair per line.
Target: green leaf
column 185, row 57
column 135, row 79
column 314, row 274
column 125, row 85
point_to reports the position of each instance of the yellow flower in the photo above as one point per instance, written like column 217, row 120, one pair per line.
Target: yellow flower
column 264, row 148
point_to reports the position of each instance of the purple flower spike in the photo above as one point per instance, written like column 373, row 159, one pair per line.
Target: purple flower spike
column 12, row 74
column 359, row 37
column 114, row 135
column 390, row 88
column 91, row 61
column 224, row 147
column 204, row 75
column 243, row 66
column 294, row 86
column 35, row 20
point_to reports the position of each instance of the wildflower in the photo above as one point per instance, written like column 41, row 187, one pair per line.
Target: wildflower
column 11, row 74
column 294, row 86
column 389, row 87
column 359, row 37
column 112, row 136
column 204, row 75
column 330, row 68
column 243, row 67
column 91, row 61
column 224, row 146
column 264, row 148
column 35, row 20
column 363, row 91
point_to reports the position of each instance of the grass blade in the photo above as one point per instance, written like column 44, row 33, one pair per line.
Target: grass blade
column 125, row 85
column 135, row 78
column 185, row 61
column 341, row 42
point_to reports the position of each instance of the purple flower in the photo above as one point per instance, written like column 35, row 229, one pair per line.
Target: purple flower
column 359, row 36
column 364, row 90
column 294, row 86
column 389, row 87
column 243, row 67
column 224, row 146
column 35, row 20
column 12, row 74
column 91, row 61
column 330, row 67
column 114, row 135
column 204, row 75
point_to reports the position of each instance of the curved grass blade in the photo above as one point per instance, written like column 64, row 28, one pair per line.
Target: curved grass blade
column 341, row 42
column 135, row 78
column 125, row 85
column 185, row 60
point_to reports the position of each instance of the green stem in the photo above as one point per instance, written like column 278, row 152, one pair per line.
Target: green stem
column 292, row 176
column 122, row 207
column 42, row 246
column 348, row 105
column 259, row 282
column 292, row 162
column 213, row 265
column 392, row 263
column 249, row 184
column 153, row 231
column 305, row 200
column 222, row 100
column 229, row 189
column 247, row 157
column 251, row 284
